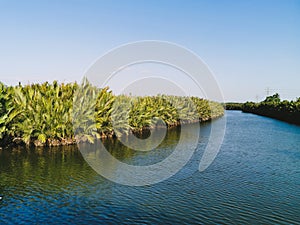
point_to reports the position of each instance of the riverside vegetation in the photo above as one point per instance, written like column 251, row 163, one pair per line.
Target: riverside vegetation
column 43, row 114
column 272, row 106
column 233, row 106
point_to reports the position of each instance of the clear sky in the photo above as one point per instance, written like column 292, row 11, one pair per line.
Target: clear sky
column 249, row 45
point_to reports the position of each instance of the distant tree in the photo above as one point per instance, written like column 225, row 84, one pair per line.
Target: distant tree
column 273, row 99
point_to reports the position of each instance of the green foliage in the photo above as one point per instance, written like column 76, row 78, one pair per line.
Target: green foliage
column 273, row 107
column 58, row 114
column 233, row 106
column 84, row 113
column 274, row 99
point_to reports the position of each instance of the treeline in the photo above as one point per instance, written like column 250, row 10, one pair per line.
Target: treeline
column 272, row 106
column 52, row 114
column 233, row 106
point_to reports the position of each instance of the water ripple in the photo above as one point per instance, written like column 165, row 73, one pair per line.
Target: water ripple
column 254, row 180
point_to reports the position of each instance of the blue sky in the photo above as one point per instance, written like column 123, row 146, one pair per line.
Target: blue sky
column 249, row 45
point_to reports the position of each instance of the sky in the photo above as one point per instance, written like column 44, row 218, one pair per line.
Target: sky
column 252, row 47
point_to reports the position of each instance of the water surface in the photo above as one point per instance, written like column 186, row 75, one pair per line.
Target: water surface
column 255, row 179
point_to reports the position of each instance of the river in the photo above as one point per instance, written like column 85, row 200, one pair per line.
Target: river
column 255, row 179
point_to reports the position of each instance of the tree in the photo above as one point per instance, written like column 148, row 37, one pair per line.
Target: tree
column 273, row 99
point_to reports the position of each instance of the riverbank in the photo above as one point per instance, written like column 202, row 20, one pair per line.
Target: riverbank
column 283, row 114
column 233, row 106
column 61, row 114
column 273, row 107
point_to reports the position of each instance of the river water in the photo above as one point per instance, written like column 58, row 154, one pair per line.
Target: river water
column 255, row 179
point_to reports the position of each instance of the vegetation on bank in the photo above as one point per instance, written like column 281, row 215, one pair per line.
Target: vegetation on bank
column 272, row 106
column 233, row 106
column 43, row 114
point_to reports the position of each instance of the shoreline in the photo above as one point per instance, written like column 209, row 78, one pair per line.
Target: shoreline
column 17, row 142
column 53, row 114
column 272, row 107
column 288, row 117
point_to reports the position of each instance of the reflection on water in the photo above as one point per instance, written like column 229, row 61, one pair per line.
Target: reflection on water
column 255, row 179
column 47, row 168
column 148, row 167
